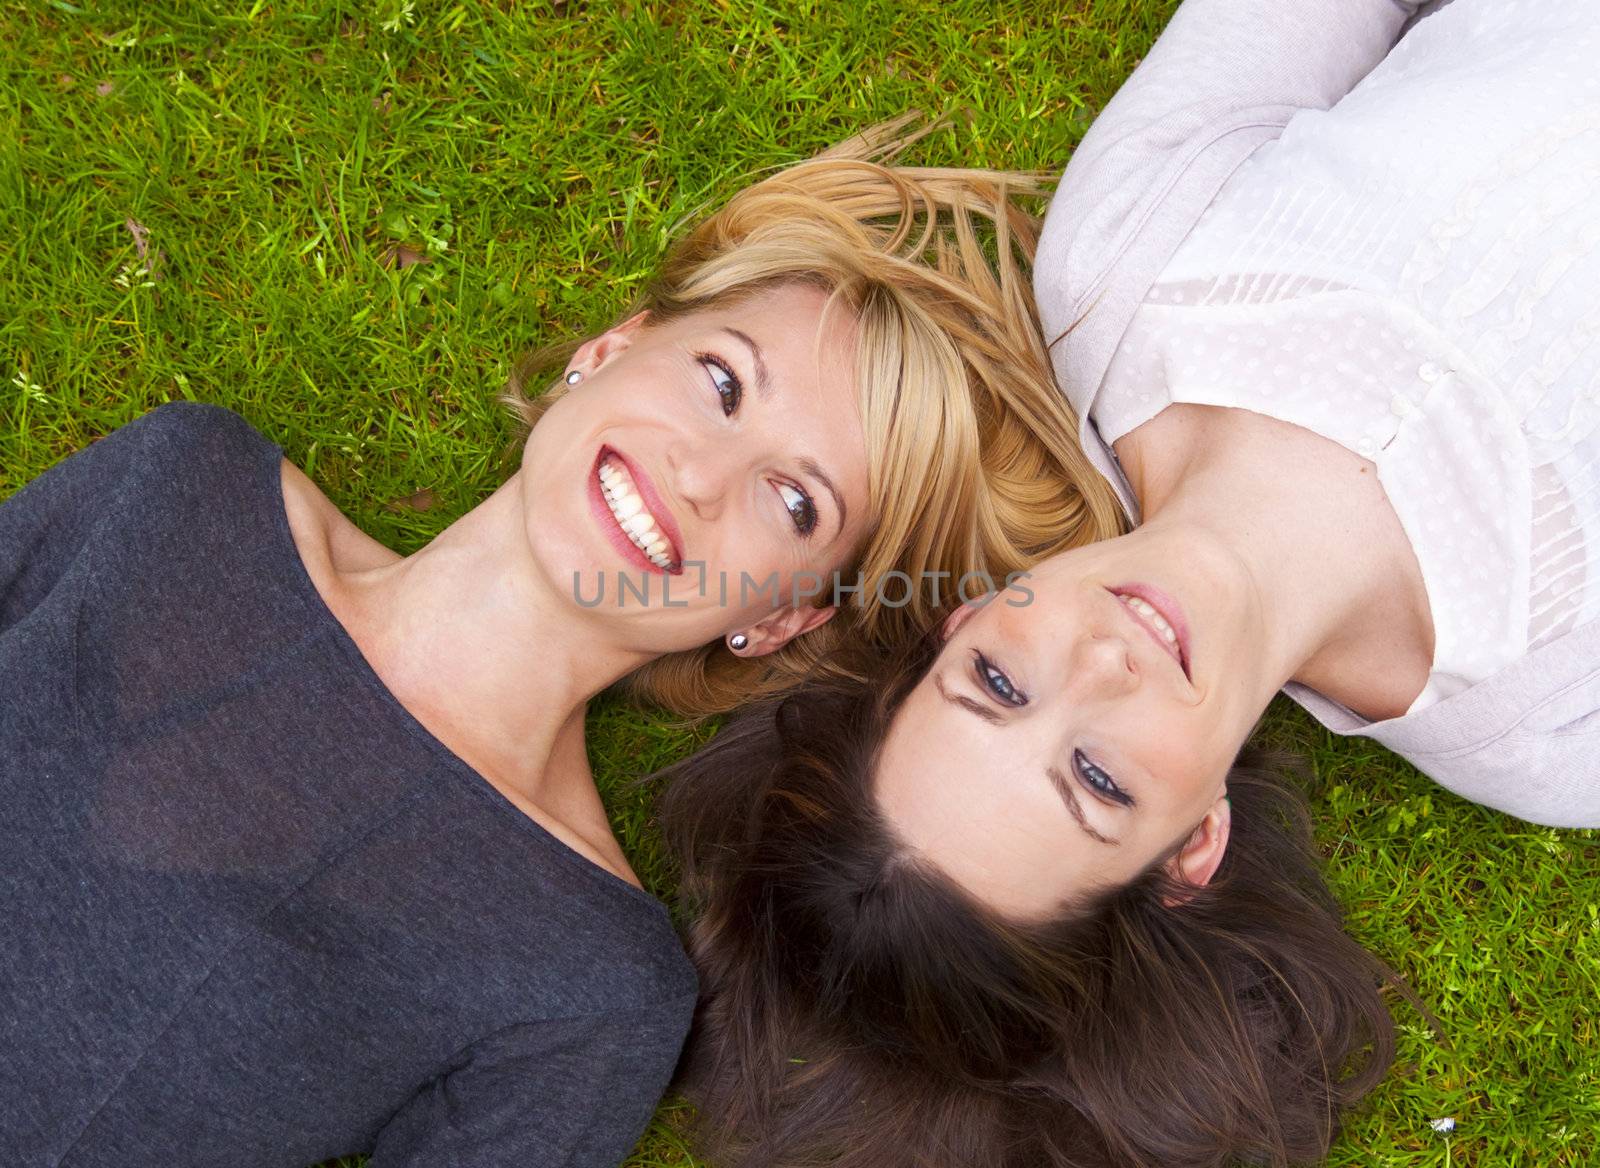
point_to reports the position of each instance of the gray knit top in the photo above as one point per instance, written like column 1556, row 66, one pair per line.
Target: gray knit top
column 253, row 912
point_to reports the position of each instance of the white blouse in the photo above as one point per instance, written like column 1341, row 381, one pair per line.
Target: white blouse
column 1415, row 274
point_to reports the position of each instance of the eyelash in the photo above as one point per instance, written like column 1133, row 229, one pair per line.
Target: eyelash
column 805, row 522
column 1107, row 787
column 731, row 394
column 987, row 674
column 1093, row 777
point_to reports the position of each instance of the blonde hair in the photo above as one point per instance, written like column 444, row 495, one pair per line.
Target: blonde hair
column 973, row 456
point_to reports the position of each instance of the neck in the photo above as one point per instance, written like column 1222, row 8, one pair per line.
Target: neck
column 476, row 644
column 1284, row 504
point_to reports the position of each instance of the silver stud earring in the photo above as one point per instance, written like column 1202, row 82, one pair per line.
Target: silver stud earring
column 738, row 641
column 574, row 377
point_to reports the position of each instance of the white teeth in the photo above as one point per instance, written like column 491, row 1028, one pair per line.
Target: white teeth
column 629, row 510
column 1145, row 609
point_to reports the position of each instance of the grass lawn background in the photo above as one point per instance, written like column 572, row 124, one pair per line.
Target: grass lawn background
column 270, row 156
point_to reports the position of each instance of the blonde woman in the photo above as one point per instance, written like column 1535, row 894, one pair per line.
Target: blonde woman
column 303, row 855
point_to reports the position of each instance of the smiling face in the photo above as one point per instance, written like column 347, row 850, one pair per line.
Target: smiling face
column 1065, row 741
column 730, row 438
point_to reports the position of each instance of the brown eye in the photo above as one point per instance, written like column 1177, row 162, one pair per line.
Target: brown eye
column 801, row 509
column 725, row 382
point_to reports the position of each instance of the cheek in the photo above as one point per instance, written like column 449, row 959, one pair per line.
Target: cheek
column 1185, row 757
column 758, row 531
column 638, row 390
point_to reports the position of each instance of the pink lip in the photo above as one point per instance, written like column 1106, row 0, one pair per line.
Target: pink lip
column 652, row 501
column 1170, row 612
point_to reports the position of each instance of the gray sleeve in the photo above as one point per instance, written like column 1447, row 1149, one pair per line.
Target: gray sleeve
column 567, row 1094
column 44, row 525
column 1225, row 76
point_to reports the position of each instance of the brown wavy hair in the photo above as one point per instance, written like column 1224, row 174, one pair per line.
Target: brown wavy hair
column 972, row 451
column 859, row 1010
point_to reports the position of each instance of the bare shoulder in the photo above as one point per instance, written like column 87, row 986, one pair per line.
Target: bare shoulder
column 325, row 538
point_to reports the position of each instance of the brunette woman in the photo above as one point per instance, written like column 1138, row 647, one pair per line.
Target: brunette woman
column 1031, row 899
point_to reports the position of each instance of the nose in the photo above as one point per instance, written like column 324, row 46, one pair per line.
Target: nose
column 1102, row 666
column 699, row 476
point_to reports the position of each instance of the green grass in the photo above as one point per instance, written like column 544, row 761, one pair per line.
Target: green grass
column 538, row 155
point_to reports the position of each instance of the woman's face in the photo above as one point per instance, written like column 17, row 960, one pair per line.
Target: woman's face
column 1065, row 741
column 706, row 475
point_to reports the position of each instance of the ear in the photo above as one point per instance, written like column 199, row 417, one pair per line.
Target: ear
column 1197, row 861
column 961, row 615
column 595, row 353
column 775, row 630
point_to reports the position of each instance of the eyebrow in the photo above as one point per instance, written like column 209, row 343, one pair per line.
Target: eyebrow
column 1059, row 781
column 814, row 469
column 757, row 358
column 764, row 392
column 991, row 716
column 1063, row 786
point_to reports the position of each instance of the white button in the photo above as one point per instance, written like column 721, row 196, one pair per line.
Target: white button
column 1400, row 405
column 1429, row 372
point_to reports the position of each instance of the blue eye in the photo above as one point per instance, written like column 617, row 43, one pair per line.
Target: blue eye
column 997, row 682
column 1098, row 781
column 725, row 381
